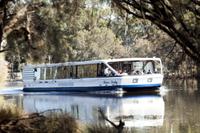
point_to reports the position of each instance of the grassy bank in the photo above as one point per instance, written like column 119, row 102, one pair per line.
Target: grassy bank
column 13, row 120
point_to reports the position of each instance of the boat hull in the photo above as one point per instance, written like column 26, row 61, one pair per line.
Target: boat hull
column 95, row 88
column 127, row 83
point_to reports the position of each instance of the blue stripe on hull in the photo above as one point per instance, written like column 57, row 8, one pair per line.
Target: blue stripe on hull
column 141, row 86
column 80, row 89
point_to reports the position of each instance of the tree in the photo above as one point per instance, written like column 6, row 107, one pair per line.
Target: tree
column 97, row 43
column 21, row 30
column 3, row 18
column 15, row 16
column 179, row 19
column 35, row 34
column 35, row 30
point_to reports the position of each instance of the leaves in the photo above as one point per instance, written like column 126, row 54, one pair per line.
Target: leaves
column 98, row 43
column 169, row 16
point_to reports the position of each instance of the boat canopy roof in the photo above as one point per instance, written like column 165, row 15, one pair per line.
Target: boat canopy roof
column 93, row 62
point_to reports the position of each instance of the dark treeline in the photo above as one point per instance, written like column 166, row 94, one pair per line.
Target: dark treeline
column 39, row 31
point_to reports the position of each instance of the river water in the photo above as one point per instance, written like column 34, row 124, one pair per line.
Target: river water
column 173, row 109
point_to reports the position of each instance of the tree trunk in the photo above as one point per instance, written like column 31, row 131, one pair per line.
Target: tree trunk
column 1, row 34
column 198, row 73
column 2, row 18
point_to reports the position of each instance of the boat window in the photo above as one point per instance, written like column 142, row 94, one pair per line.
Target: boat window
column 87, row 71
column 60, row 74
column 136, row 67
column 121, row 67
column 148, row 67
column 152, row 67
column 63, row 72
column 103, row 70
column 50, row 72
column 73, row 71
column 42, row 73
column 157, row 67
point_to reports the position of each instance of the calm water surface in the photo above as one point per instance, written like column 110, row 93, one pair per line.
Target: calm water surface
column 174, row 109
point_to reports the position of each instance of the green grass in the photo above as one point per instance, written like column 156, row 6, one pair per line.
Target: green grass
column 8, row 113
column 13, row 120
column 60, row 122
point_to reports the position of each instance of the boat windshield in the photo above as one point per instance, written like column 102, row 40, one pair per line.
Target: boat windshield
column 137, row 67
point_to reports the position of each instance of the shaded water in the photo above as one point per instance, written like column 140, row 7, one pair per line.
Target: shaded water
column 174, row 109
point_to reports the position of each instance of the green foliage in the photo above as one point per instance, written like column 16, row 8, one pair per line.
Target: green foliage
column 64, row 30
column 81, row 36
column 97, row 43
column 67, row 30
column 172, row 18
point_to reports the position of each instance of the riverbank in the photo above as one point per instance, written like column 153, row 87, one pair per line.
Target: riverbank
column 14, row 120
column 37, row 122
column 11, row 84
column 51, row 121
column 181, row 75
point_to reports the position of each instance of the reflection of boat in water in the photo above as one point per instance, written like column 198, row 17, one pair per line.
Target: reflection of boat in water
column 134, row 110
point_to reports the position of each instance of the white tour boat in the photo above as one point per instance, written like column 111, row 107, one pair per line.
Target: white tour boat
column 127, row 74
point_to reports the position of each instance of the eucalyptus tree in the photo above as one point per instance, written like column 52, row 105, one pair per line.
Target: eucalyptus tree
column 179, row 19
column 46, row 31
column 37, row 29
column 20, row 29
column 98, row 43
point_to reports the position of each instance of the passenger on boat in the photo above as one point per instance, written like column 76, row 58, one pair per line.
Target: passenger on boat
column 149, row 72
column 124, row 73
column 107, row 72
column 136, row 72
column 120, row 72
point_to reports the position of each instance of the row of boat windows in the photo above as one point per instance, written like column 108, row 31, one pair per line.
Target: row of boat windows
column 98, row 70
column 63, row 72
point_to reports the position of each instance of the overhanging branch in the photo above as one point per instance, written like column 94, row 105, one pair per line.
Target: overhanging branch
column 164, row 16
